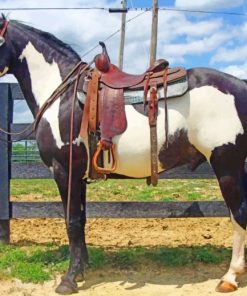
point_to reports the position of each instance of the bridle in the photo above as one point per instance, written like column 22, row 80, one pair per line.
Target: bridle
column 3, row 31
column 2, row 41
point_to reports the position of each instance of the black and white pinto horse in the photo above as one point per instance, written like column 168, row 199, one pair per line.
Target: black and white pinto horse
column 209, row 122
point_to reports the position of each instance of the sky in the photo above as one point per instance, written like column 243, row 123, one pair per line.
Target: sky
column 187, row 39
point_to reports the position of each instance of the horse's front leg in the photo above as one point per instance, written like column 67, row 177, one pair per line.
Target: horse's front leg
column 75, row 228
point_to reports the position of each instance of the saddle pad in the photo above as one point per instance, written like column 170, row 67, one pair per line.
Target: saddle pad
column 174, row 89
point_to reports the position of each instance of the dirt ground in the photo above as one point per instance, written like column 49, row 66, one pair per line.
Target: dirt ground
column 111, row 233
column 129, row 232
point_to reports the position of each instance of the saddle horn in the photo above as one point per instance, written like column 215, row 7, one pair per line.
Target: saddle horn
column 102, row 61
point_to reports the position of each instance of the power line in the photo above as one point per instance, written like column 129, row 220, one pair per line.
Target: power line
column 116, row 10
column 203, row 11
column 54, row 8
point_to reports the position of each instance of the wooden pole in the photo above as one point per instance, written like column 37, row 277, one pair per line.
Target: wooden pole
column 154, row 33
column 122, row 40
column 153, row 128
column 5, row 118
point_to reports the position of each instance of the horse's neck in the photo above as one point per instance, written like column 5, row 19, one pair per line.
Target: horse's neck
column 39, row 74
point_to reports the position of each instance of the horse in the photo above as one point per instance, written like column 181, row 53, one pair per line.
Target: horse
column 207, row 123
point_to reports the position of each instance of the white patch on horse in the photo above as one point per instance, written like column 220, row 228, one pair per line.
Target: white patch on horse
column 212, row 120
column 237, row 265
column 208, row 115
column 45, row 78
column 133, row 146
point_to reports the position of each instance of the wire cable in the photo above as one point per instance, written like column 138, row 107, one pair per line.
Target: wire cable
column 233, row 13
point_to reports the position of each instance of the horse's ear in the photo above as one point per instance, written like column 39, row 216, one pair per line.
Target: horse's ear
column 3, row 16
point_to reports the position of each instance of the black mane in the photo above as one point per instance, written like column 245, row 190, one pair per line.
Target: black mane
column 63, row 47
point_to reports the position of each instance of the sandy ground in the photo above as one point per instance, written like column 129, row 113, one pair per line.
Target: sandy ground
column 129, row 232
column 183, row 282
column 195, row 280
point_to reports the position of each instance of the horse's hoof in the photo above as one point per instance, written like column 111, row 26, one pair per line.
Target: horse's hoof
column 80, row 277
column 66, row 288
column 225, row 287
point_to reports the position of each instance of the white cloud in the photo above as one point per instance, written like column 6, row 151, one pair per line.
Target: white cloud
column 208, row 4
column 200, row 29
column 196, row 47
column 230, row 55
column 239, row 71
column 199, row 37
column 178, row 35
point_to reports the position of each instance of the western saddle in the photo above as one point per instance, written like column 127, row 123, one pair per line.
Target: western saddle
column 104, row 111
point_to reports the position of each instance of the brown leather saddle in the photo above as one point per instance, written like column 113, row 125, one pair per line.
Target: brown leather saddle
column 104, row 111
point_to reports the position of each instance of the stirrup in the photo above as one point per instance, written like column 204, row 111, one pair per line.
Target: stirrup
column 102, row 170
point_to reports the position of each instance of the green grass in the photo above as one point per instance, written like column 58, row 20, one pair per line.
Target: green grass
column 122, row 190
column 40, row 189
column 38, row 263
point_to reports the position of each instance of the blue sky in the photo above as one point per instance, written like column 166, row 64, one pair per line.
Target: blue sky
column 187, row 39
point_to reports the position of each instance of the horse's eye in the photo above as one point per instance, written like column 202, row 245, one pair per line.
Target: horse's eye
column 2, row 40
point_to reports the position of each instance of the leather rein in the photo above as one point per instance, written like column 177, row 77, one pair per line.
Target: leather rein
column 68, row 81
column 72, row 78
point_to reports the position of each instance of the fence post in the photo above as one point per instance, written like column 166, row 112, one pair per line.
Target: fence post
column 5, row 118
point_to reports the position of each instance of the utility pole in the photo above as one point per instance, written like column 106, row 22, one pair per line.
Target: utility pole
column 153, row 109
column 122, row 40
column 154, row 32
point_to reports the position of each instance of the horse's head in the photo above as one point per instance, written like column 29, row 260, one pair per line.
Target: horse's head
column 6, row 52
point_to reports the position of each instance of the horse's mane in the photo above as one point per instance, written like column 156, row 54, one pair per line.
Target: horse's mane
column 62, row 46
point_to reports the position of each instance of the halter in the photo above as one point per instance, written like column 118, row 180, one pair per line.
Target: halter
column 3, row 31
column 2, row 41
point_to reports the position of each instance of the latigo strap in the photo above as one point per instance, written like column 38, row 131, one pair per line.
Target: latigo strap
column 152, row 116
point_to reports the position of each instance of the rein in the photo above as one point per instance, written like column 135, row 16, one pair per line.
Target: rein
column 54, row 96
column 4, row 29
column 68, row 81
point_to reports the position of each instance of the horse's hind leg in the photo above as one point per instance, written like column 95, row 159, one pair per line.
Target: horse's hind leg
column 75, row 229
column 229, row 169
column 237, row 265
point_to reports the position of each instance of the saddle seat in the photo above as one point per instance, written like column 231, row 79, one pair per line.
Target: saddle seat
column 115, row 78
column 112, row 77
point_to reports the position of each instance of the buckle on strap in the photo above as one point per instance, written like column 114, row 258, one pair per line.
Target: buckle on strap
column 102, row 170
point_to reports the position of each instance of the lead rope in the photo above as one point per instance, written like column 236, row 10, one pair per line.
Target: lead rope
column 78, row 75
column 60, row 90
column 53, row 97
column 30, row 126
